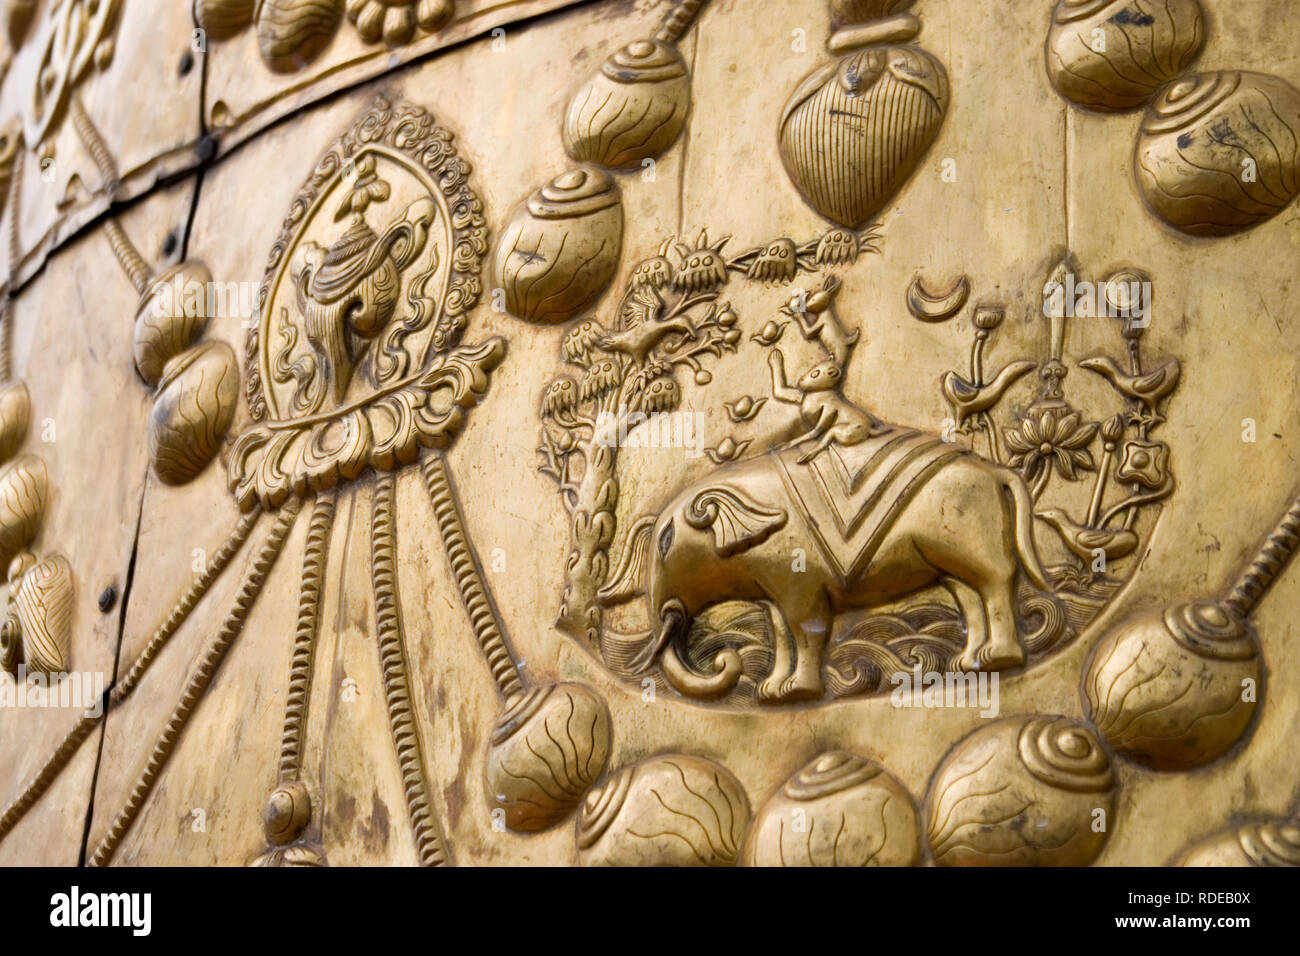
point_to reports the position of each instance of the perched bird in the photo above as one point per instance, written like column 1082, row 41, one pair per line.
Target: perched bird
column 643, row 329
column 967, row 399
column 1085, row 542
column 1146, row 387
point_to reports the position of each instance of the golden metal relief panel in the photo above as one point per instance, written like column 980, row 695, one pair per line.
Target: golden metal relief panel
column 105, row 96
column 74, row 483
column 853, row 439
column 266, row 60
column 112, row 97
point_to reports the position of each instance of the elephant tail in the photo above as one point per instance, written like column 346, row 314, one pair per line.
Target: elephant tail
column 1024, row 522
column 628, row 579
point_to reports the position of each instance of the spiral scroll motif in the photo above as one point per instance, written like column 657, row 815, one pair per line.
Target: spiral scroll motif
column 1275, row 843
column 1066, row 755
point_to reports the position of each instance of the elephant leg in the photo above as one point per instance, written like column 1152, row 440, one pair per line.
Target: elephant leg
column 1000, row 646
column 1004, row 648
column 809, row 620
column 782, row 656
column 971, row 606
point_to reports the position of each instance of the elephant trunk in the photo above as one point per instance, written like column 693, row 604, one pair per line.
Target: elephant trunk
column 727, row 671
column 674, row 623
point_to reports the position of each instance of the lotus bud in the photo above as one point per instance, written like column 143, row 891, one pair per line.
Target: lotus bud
column 288, row 811
column 1208, row 161
column 633, row 109
column 171, row 316
column 223, row 19
column 549, row 746
column 848, row 12
column 292, row 33
column 855, row 130
column 1108, row 55
column 559, row 251
column 15, row 418
column 1276, row 843
column 1024, row 791
column 1166, row 688
column 194, row 407
column 24, row 490
column 669, row 810
column 41, row 605
column 851, row 813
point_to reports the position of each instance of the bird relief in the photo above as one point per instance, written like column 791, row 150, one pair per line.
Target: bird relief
column 1058, row 448
column 822, row 562
column 356, row 360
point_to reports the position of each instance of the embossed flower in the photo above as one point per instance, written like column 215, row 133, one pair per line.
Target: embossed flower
column 394, row 21
column 367, row 187
column 837, row 247
column 561, row 397
column 1145, row 463
column 777, row 262
column 602, row 378
column 661, row 395
column 1055, row 439
column 652, row 369
column 655, row 272
column 580, row 342
column 703, row 268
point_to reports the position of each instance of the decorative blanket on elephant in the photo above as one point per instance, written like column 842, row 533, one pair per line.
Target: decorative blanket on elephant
column 850, row 495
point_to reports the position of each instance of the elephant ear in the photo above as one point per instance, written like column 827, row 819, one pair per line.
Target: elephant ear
column 738, row 523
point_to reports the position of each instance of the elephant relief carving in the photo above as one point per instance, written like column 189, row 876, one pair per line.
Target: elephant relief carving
column 881, row 512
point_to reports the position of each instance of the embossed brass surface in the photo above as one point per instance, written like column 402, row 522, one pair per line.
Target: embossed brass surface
column 834, row 432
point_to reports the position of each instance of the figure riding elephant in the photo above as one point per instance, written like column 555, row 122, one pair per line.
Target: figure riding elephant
column 899, row 514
